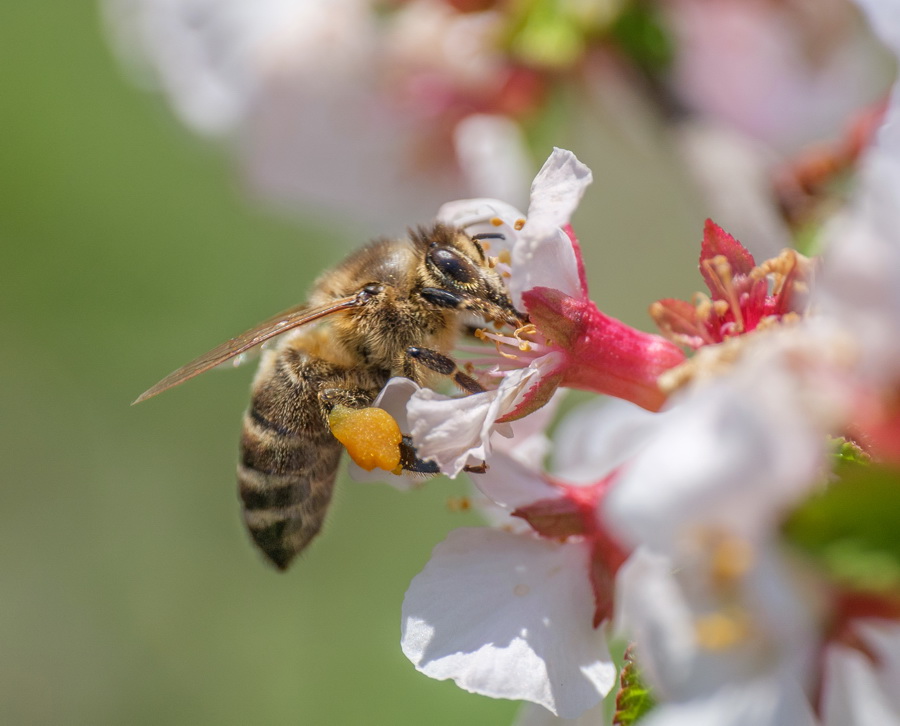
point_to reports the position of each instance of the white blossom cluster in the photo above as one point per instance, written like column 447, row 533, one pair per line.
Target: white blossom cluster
column 660, row 520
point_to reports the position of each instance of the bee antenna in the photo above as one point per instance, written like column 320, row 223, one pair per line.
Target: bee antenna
column 489, row 235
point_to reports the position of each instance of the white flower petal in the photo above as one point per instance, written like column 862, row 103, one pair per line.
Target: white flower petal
column 858, row 691
column 511, row 484
column 732, row 454
column 543, row 255
column 775, row 630
column 884, row 17
column 772, row 701
column 557, row 189
column 529, row 443
column 643, row 581
column 509, row 616
column 454, row 432
column 475, row 215
column 597, row 437
column 862, row 257
column 200, row 53
column 533, row 715
column 491, row 151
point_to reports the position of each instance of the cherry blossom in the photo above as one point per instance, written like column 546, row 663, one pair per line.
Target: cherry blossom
column 345, row 105
column 569, row 343
column 520, row 612
column 861, row 682
column 508, row 616
column 743, row 295
column 862, row 262
column 703, row 502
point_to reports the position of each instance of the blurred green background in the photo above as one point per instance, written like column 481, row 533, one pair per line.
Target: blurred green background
column 129, row 593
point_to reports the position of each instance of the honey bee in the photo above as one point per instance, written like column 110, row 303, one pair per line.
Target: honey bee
column 393, row 308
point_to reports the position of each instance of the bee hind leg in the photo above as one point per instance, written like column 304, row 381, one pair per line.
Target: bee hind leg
column 410, row 461
column 349, row 397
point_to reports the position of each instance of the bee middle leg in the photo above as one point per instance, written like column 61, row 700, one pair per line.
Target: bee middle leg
column 439, row 363
column 446, row 366
column 410, row 461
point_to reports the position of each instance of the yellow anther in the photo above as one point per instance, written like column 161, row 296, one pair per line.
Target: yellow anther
column 370, row 435
column 527, row 329
column 496, row 221
column 703, row 305
column 519, row 224
column 732, row 557
column 720, row 631
column 504, row 256
column 720, row 307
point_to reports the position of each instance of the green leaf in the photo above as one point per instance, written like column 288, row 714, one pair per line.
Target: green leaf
column 848, row 452
column 852, row 527
column 556, row 33
column 634, row 699
column 641, row 34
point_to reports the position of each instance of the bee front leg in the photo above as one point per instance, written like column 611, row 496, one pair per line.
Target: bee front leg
column 446, row 366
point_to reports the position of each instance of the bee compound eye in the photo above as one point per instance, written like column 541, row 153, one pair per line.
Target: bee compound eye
column 453, row 265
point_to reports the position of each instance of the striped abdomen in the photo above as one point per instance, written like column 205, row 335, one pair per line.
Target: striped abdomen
column 289, row 458
column 285, row 483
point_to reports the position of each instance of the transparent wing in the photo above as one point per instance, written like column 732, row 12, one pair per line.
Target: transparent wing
column 281, row 323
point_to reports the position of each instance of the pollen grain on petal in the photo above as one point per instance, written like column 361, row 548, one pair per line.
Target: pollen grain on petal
column 719, row 631
column 731, row 559
column 459, row 504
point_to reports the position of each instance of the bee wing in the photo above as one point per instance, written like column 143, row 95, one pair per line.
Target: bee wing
column 281, row 323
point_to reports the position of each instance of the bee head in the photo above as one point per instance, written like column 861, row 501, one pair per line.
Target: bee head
column 455, row 264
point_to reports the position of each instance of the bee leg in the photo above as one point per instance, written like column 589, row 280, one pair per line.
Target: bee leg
column 349, row 397
column 446, row 366
column 443, row 298
column 410, row 461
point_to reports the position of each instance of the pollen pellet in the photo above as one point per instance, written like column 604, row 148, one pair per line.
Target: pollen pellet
column 370, row 435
